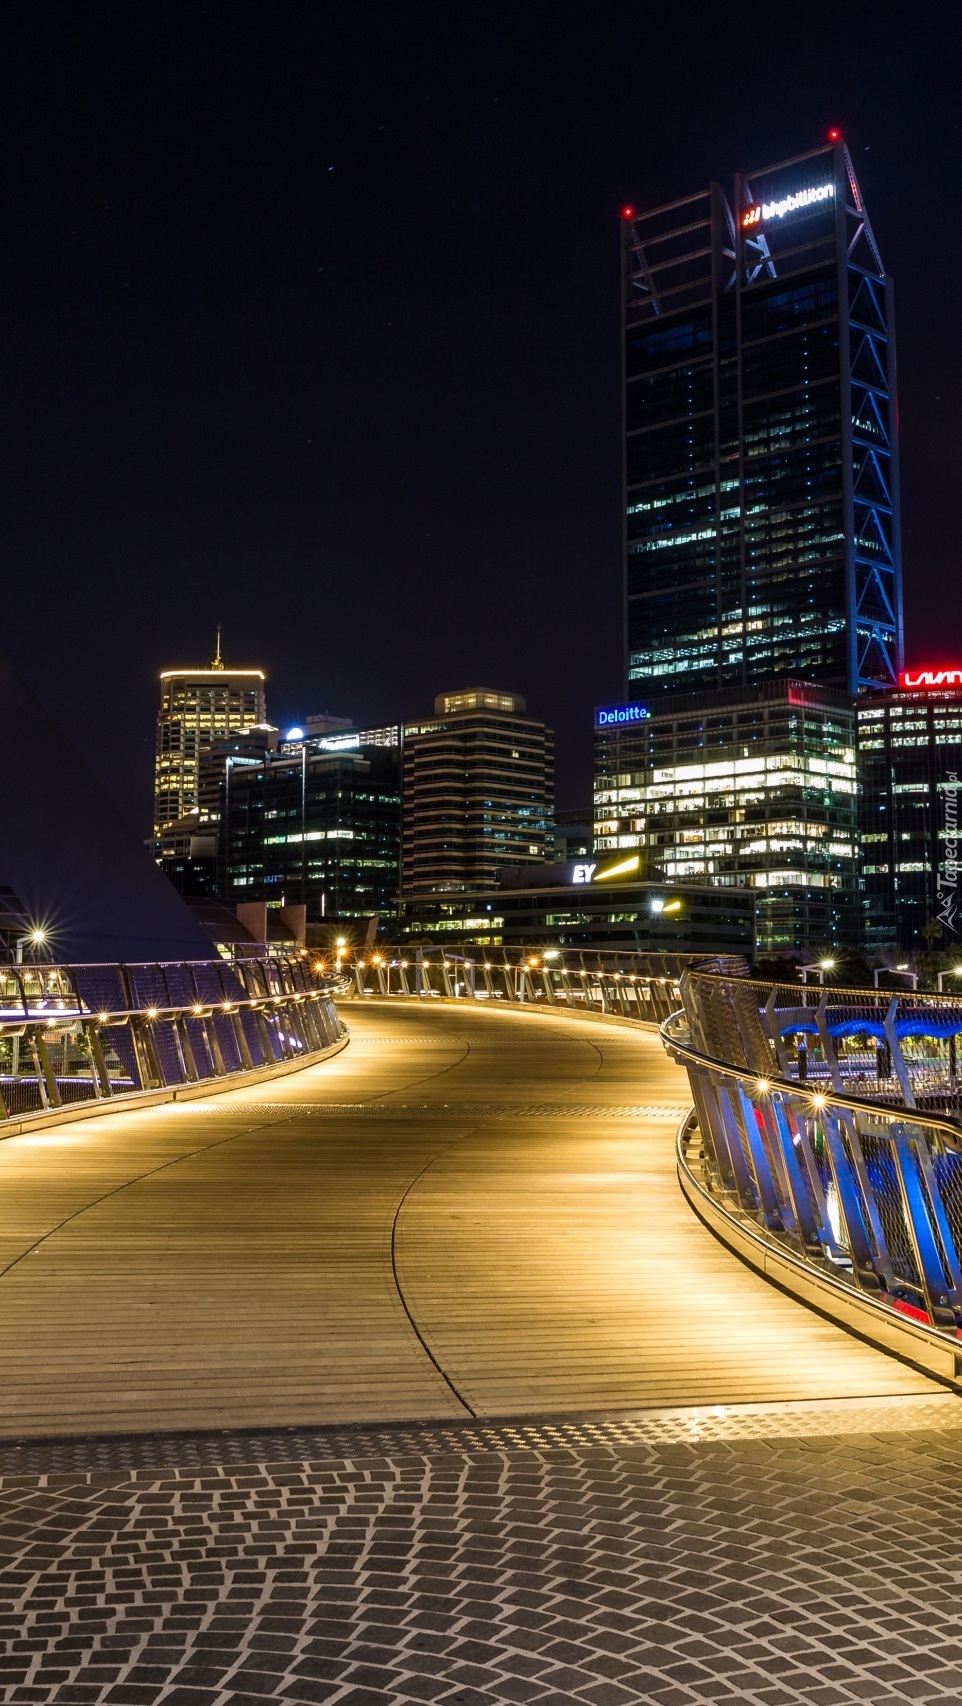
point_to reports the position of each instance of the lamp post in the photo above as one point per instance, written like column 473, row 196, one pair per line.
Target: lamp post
column 897, row 971
column 33, row 939
column 955, row 972
column 819, row 966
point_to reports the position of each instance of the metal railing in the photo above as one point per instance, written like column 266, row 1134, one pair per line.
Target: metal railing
column 827, row 1120
column 85, row 1033
column 626, row 985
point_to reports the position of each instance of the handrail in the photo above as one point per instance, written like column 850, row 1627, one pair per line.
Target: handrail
column 868, row 1186
column 949, row 1128
column 86, row 1033
column 637, row 986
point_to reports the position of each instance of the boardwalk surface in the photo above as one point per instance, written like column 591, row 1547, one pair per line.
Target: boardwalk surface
column 466, row 1213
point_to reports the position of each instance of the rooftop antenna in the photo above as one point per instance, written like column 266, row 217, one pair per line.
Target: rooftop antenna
column 217, row 661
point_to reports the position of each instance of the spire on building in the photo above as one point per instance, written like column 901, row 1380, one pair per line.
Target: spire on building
column 217, row 661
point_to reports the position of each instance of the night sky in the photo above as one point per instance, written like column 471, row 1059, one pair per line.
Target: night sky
column 310, row 317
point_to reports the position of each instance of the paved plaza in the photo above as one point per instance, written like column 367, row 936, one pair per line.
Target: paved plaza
column 412, row 1377
column 789, row 1554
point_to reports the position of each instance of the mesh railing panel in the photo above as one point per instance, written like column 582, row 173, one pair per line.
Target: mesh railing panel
column 58, row 1044
column 889, row 1179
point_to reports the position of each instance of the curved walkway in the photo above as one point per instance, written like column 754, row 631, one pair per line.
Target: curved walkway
column 466, row 1213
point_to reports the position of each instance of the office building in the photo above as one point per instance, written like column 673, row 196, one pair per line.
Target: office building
column 910, row 772
column 478, row 791
column 762, row 536
column 599, row 904
column 573, row 834
column 752, row 786
column 315, row 824
column 198, row 707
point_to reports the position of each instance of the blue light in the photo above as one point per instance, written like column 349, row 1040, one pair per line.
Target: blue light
column 610, row 714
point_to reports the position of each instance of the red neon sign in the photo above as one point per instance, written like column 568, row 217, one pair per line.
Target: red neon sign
column 930, row 678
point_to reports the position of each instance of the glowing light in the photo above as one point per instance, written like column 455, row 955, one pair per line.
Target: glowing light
column 620, row 870
column 786, row 204
column 763, row 1086
column 818, row 1101
column 827, row 965
column 295, row 734
column 913, row 678
column 834, row 136
column 552, row 954
column 608, row 714
column 198, row 1008
column 627, row 212
column 151, row 1012
column 673, row 906
column 103, row 1017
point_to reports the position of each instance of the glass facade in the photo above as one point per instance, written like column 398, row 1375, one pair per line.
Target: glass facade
column 618, row 916
column 748, row 787
column 910, row 771
column 313, row 827
column 762, row 531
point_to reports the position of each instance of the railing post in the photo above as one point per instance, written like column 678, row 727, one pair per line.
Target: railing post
column 101, row 1076
column 935, row 1281
column 898, row 1058
column 46, row 1078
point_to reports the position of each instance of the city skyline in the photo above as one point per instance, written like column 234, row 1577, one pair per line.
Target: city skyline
column 225, row 406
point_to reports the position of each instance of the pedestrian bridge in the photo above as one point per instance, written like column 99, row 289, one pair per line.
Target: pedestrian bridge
column 468, row 1211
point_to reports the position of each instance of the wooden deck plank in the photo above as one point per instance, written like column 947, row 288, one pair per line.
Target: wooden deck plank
column 229, row 1262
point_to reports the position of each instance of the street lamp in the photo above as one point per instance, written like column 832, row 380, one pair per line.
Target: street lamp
column 33, row 939
column 955, row 972
column 819, row 966
column 899, row 971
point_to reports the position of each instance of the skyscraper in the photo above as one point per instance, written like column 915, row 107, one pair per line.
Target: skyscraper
column 478, row 791
column 316, row 824
column 762, row 534
column 752, row 787
column 197, row 708
column 910, row 770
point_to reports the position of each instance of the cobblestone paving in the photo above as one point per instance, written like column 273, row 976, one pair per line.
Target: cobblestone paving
column 772, row 1554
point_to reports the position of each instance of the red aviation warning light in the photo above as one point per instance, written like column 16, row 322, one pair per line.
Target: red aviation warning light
column 834, row 136
column 627, row 213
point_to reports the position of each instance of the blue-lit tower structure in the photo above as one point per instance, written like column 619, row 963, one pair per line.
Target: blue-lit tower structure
column 762, row 519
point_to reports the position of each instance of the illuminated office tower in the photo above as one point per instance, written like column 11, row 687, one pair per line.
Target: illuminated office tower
column 761, row 451
column 910, row 774
column 751, row 787
column 197, row 708
column 478, row 791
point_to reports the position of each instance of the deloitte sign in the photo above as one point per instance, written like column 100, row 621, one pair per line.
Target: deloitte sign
column 611, row 714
